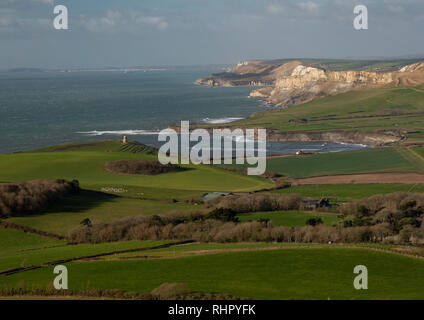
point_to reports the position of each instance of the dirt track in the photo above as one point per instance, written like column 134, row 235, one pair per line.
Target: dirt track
column 406, row 178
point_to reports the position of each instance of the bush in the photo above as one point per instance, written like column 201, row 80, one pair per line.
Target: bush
column 314, row 221
column 143, row 167
column 223, row 215
column 208, row 230
column 398, row 210
column 383, row 219
column 33, row 196
column 256, row 202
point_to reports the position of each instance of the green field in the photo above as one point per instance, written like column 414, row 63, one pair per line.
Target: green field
column 102, row 146
column 368, row 160
column 24, row 258
column 68, row 212
column 289, row 218
column 88, row 168
column 347, row 64
column 275, row 274
column 347, row 192
column 364, row 110
column 13, row 240
column 253, row 270
column 347, row 162
column 109, row 196
column 419, row 150
column 208, row 248
column 148, row 192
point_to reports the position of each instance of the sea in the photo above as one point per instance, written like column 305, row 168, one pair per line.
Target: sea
column 40, row 109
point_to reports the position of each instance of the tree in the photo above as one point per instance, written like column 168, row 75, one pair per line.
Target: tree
column 86, row 222
column 314, row 221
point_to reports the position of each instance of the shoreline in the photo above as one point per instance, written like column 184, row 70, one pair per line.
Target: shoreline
column 365, row 138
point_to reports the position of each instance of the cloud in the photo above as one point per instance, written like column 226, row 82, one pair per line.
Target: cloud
column 11, row 21
column 117, row 21
column 50, row 2
column 309, row 7
column 158, row 22
column 293, row 8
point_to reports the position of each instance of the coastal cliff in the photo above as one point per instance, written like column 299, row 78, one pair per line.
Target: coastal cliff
column 294, row 82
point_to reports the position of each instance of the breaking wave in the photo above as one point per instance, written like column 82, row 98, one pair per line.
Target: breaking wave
column 219, row 120
column 119, row 132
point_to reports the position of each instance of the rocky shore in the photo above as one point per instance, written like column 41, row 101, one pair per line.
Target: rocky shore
column 372, row 139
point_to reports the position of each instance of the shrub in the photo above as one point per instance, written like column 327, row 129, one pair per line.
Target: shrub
column 86, row 222
column 314, row 221
column 143, row 167
column 257, row 202
column 223, row 215
column 33, row 196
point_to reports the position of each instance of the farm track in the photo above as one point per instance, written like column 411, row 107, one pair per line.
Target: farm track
column 396, row 251
column 365, row 178
column 412, row 157
column 51, row 263
column 407, row 252
column 416, row 154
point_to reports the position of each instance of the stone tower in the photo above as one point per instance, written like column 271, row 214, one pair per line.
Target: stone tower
column 124, row 140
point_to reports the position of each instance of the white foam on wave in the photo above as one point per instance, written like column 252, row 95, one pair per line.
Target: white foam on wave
column 242, row 139
column 119, row 132
column 353, row 144
column 220, row 120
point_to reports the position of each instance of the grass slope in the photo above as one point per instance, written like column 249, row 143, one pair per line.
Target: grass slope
column 372, row 109
column 348, row 192
column 19, row 258
column 289, row 218
column 277, row 274
column 88, row 168
column 12, row 240
column 68, row 212
column 347, row 162
column 103, row 146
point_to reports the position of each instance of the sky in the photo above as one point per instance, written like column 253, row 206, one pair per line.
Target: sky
column 106, row 33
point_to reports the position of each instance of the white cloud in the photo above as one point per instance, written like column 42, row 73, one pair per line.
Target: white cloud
column 309, row 6
column 50, row 2
column 114, row 21
column 158, row 22
column 293, row 8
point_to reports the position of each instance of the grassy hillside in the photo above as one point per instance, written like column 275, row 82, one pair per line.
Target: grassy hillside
column 88, row 168
column 348, row 192
column 277, row 274
column 346, row 162
column 346, row 64
column 104, row 146
column 21, row 258
column 67, row 213
column 365, row 110
column 358, row 161
column 13, row 240
column 107, row 195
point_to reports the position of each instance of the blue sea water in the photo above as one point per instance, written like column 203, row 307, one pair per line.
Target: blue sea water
column 39, row 109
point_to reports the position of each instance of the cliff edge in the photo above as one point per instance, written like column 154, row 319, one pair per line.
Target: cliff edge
column 288, row 83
